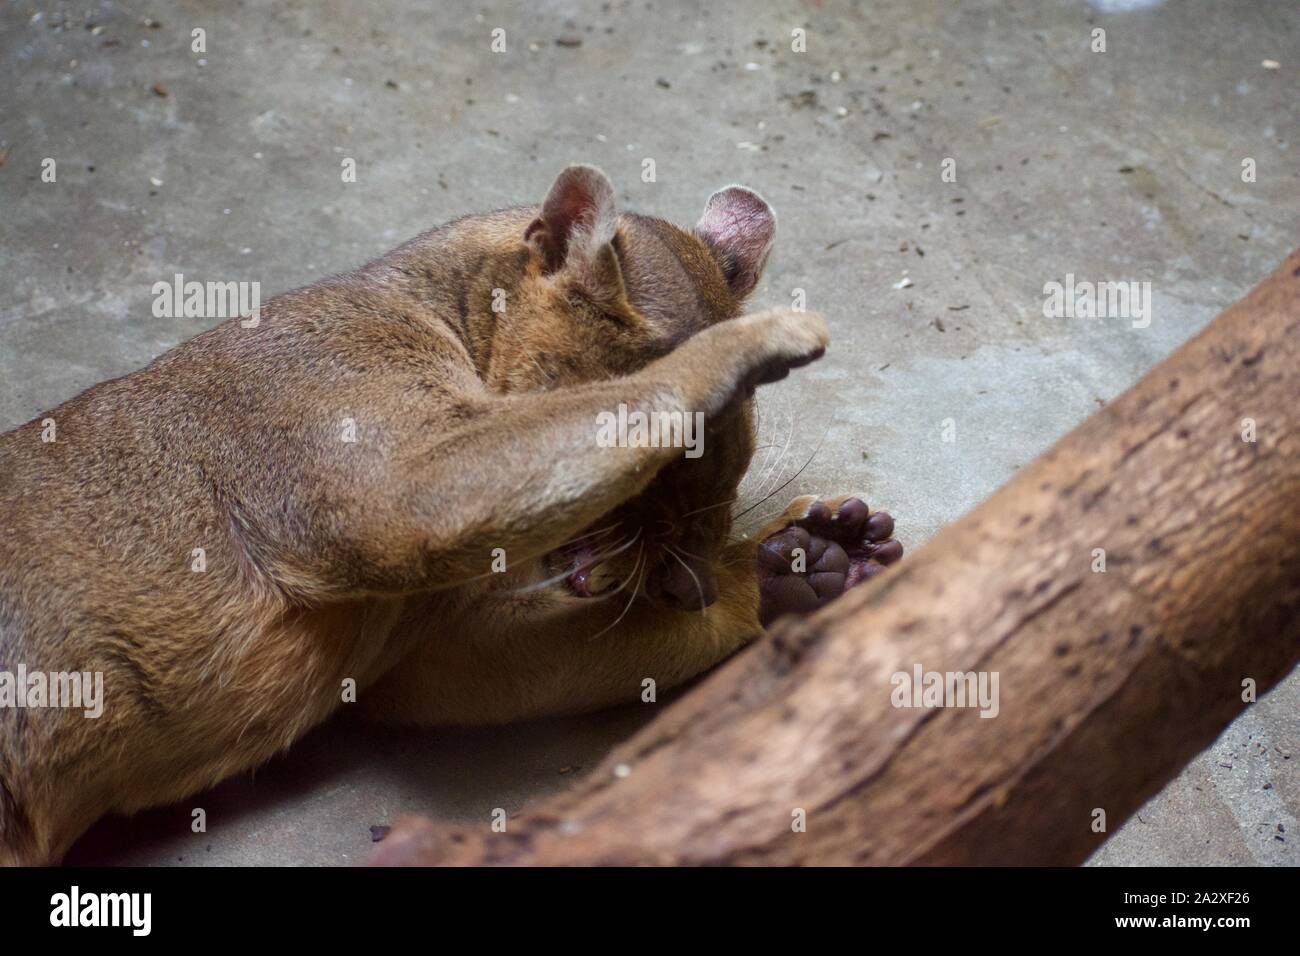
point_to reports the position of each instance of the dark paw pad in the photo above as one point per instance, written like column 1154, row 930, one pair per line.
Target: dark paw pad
column 776, row 369
column 818, row 558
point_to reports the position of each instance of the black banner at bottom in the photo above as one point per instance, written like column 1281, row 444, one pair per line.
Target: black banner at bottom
column 213, row 905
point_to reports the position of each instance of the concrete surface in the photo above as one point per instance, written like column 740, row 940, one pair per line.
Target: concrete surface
column 1111, row 166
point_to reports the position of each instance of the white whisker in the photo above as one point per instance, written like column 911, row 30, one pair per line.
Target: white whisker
column 630, row 600
column 699, row 587
column 593, row 560
column 794, row 476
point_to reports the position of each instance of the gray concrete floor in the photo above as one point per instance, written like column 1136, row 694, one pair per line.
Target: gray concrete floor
column 1111, row 166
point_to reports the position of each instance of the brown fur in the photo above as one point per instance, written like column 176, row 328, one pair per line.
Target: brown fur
column 371, row 560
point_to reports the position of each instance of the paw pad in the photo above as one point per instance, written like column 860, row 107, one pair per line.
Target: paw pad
column 817, row 558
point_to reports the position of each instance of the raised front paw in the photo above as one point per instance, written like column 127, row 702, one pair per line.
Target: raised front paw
column 782, row 340
column 730, row 359
column 822, row 549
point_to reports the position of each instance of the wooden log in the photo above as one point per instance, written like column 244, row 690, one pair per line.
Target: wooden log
column 1109, row 682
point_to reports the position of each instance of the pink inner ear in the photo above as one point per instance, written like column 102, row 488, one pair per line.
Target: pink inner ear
column 740, row 226
column 577, row 205
column 581, row 198
column 578, row 219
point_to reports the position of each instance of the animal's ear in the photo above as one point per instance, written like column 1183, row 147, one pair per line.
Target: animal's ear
column 576, row 228
column 739, row 226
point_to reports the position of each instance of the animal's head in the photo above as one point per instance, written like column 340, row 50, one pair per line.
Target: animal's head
column 606, row 293
column 603, row 292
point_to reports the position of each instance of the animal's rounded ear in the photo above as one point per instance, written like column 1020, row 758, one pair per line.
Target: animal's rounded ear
column 577, row 221
column 739, row 226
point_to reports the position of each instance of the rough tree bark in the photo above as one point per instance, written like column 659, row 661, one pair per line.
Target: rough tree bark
column 1109, row 682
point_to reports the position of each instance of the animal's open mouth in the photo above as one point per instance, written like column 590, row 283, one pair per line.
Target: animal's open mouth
column 612, row 561
column 580, row 579
column 585, row 566
column 643, row 548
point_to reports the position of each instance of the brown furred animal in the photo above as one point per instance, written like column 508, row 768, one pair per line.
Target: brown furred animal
column 391, row 480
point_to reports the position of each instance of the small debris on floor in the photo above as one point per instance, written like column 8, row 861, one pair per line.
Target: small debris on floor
column 159, row 90
column 803, row 99
column 377, row 833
